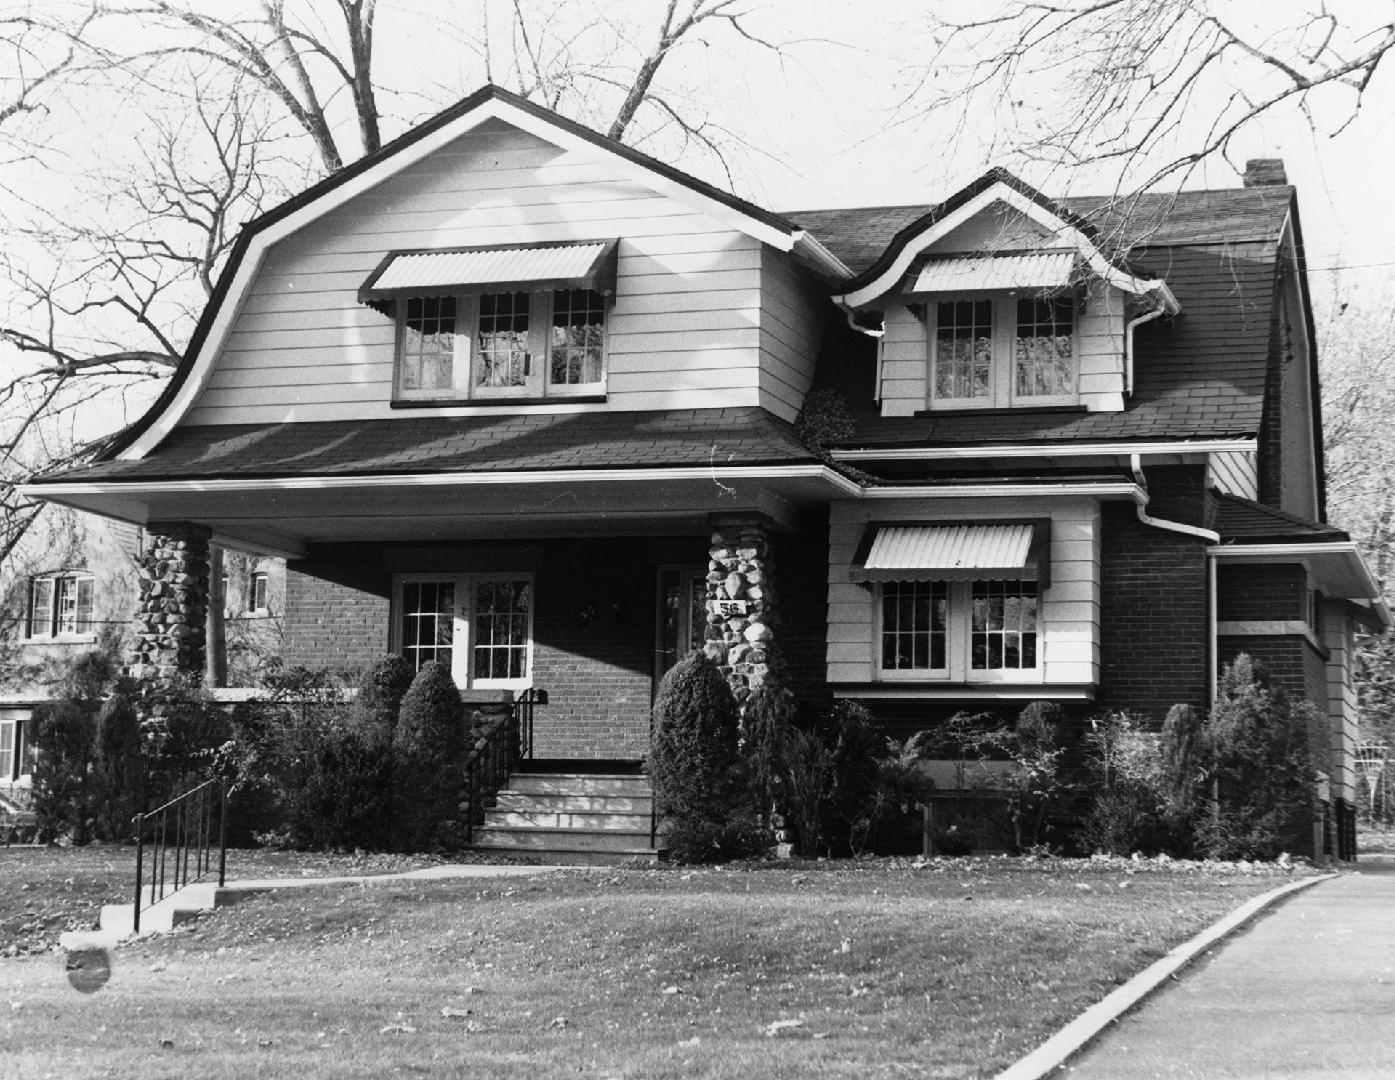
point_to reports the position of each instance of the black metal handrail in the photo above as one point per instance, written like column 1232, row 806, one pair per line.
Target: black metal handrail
column 498, row 750
column 182, row 831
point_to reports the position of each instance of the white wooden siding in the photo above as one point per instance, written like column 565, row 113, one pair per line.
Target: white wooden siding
column 689, row 329
column 1339, row 638
column 1235, row 472
column 1069, row 611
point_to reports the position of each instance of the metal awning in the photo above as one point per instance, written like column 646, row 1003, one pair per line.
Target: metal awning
column 952, row 552
column 514, row 268
column 996, row 273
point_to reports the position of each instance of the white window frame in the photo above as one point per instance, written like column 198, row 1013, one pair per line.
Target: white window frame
column 255, row 578
column 1003, row 368
column 50, row 630
column 463, row 625
column 958, row 643
column 466, row 359
column 20, row 725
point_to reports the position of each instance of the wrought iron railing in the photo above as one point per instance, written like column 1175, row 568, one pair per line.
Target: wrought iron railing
column 497, row 753
column 181, row 839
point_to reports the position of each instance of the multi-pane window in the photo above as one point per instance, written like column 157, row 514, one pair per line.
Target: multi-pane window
column 60, row 605
column 17, row 749
column 478, row 626
column 427, row 622
column 998, row 353
column 501, row 629
column 578, row 337
column 958, row 630
column 502, row 345
column 503, row 340
column 1044, row 357
column 1003, row 631
column 427, row 360
column 914, row 625
column 964, row 349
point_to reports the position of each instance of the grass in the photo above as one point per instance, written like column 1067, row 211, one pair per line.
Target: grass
column 47, row 890
column 1377, row 838
column 885, row 969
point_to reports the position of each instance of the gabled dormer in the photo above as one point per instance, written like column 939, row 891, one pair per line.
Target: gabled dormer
column 1000, row 298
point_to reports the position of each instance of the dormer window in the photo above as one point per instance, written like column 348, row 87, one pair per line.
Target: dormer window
column 508, row 324
column 1002, row 352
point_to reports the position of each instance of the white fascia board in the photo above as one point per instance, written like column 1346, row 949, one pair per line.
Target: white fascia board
column 493, row 109
column 1063, row 232
column 1108, row 490
column 1346, row 550
column 1038, row 450
column 809, row 246
column 442, row 480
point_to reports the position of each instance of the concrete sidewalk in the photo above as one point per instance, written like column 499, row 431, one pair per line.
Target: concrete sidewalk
column 1308, row 991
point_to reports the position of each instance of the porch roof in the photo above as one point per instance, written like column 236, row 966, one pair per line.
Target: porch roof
column 461, row 444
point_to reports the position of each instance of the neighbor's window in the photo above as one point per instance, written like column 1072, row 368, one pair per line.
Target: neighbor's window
column 17, row 748
column 256, row 591
column 999, row 353
column 60, row 605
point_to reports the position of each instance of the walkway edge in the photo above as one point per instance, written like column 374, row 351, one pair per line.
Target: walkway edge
column 1072, row 1038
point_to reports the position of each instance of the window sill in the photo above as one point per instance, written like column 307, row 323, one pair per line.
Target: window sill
column 1000, row 410
column 496, row 402
column 987, row 691
column 61, row 639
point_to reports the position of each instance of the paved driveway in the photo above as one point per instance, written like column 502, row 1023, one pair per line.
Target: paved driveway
column 1308, row 991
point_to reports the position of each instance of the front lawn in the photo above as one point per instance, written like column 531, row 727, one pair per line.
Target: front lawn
column 45, row 891
column 884, row 969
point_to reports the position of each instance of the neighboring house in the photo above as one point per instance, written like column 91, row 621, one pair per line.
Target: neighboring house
column 70, row 587
column 515, row 397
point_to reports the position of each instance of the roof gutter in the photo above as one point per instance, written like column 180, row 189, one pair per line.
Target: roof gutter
column 1208, row 535
column 1040, row 450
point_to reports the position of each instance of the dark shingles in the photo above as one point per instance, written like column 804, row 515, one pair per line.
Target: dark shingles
column 1239, row 519
column 415, row 444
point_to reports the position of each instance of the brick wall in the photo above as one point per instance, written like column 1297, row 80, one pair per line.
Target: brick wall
column 1154, row 611
column 336, row 608
column 1261, row 593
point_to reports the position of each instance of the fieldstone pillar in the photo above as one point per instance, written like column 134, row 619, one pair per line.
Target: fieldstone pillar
column 173, row 602
column 741, row 614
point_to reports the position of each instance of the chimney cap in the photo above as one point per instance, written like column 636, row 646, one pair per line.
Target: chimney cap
column 1265, row 172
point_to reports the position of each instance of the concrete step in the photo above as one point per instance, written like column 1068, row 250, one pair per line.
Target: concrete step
column 570, row 857
column 578, row 784
column 551, row 819
column 524, row 839
column 574, row 804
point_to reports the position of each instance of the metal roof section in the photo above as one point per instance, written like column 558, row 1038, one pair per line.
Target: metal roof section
column 589, row 265
column 957, row 552
column 1040, row 270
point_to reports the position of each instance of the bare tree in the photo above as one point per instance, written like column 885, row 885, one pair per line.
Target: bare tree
column 1154, row 87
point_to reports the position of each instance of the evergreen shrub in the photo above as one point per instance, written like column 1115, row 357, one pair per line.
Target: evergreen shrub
column 429, row 747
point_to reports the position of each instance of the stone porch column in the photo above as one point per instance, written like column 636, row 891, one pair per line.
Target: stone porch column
column 741, row 613
column 173, row 601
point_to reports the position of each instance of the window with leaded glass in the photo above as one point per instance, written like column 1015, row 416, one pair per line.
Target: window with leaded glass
column 427, row 351
column 1044, row 359
column 1003, row 625
column 577, row 347
column 964, row 350
column 503, row 340
column 914, row 626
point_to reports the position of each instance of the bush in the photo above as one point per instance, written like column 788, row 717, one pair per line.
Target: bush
column 1124, row 767
column 67, row 728
column 380, row 695
column 766, row 722
column 1037, row 785
column 700, row 783
column 1256, row 756
column 429, row 746
column 118, row 769
column 344, row 795
column 832, row 776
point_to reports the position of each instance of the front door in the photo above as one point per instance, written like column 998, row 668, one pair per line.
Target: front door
column 682, row 616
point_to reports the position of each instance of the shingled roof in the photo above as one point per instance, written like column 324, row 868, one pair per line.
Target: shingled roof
column 1200, row 375
column 508, row 442
column 1240, row 520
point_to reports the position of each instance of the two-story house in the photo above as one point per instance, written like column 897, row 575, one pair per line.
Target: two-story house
column 512, row 396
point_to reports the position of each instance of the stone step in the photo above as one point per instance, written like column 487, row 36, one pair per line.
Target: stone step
column 578, row 784
column 550, row 819
column 570, row 857
column 524, row 839
column 571, row 804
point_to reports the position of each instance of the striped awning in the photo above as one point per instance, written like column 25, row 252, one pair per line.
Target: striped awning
column 957, row 552
column 518, row 267
column 981, row 273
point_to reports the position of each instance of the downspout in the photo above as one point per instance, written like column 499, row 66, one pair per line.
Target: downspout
column 1147, row 316
column 879, row 336
column 1212, row 646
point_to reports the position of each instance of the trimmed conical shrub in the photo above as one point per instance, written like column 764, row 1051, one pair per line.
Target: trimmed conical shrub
column 429, row 747
column 380, row 696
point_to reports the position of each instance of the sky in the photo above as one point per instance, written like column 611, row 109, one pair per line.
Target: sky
column 826, row 122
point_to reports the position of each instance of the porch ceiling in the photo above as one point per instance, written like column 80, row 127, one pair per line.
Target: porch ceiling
column 283, row 515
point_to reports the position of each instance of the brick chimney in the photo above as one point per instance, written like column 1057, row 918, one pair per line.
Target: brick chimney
column 1265, row 172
